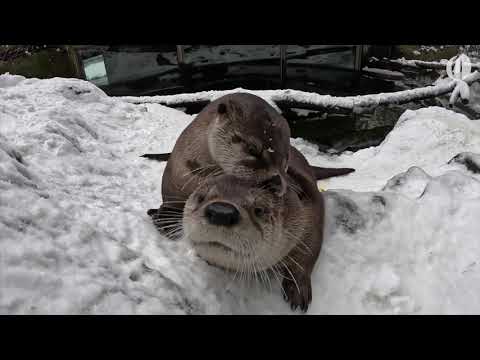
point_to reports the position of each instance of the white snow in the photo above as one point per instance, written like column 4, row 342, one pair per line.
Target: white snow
column 401, row 232
column 441, row 64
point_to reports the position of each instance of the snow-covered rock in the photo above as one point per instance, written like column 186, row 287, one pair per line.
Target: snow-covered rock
column 401, row 232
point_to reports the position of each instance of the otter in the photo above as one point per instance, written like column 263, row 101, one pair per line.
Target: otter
column 245, row 226
column 235, row 224
column 238, row 134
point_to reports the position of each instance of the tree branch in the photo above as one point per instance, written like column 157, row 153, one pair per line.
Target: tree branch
column 312, row 101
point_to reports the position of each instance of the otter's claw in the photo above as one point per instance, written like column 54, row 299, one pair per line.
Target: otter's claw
column 298, row 297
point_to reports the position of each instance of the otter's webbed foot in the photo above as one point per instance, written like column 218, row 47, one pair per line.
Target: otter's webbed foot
column 298, row 293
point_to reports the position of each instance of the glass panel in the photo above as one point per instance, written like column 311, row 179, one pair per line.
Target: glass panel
column 127, row 66
column 131, row 69
column 230, row 54
column 324, row 69
column 95, row 71
column 341, row 56
column 232, row 66
column 154, row 69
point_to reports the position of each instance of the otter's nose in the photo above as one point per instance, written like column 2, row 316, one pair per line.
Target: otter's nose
column 220, row 213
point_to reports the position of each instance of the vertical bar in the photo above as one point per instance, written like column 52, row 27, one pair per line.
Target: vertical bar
column 74, row 58
column 180, row 55
column 358, row 54
column 283, row 64
column 184, row 69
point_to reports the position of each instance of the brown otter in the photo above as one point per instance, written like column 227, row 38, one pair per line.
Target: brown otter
column 320, row 172
column 245, row 226
column 242, row 226
column 238, row 134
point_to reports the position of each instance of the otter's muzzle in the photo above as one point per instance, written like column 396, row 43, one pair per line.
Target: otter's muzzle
column 221, row 213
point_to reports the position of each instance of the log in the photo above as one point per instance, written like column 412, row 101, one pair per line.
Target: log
column 383, row 74
column 312, row 101
column 441, row 65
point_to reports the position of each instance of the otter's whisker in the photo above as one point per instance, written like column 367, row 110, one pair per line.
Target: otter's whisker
column 291, row 274
column 296, row 263
column 250, row 249
column 277, row 273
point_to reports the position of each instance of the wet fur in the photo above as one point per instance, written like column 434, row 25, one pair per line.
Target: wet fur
column 284, row 244
column 319, row 172
column 196, row 162
column 207, row 141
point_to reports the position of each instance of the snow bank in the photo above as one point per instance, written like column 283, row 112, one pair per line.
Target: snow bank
column 401, row 233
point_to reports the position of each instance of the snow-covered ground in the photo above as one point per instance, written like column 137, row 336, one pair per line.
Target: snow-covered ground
column 401, row 236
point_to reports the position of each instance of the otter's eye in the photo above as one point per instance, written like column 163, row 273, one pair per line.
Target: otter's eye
column 200, row 198
column 252, row 150
column 259, row 211
column 236, row 139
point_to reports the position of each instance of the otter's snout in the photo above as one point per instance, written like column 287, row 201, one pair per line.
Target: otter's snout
column 221, row 213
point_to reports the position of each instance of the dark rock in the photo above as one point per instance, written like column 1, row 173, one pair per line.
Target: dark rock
column 470, row 160
column 346, row 213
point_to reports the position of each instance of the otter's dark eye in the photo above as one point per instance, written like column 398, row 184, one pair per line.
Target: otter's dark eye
column 236, row 139
column 259, row 211
column 253, row 151
column 200, row 198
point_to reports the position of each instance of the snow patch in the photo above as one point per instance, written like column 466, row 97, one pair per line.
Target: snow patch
column 7, row 80
column 401, row 233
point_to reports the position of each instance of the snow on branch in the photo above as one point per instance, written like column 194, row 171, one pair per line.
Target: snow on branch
column 422, row 64
column 183, row 100
column 313, row 101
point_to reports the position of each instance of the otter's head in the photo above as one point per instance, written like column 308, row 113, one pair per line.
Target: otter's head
column 236, row 224
column 249, row 138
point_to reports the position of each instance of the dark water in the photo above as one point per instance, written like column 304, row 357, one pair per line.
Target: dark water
column 336, row 133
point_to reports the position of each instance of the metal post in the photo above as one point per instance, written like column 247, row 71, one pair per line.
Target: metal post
column 358, row 54
column 185, row 69
column 180, row 55
column 283, row 64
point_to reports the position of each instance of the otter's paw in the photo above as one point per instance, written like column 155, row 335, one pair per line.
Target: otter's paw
column 298, row 297
column 152, row 212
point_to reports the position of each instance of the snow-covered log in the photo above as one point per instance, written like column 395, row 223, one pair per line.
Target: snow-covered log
column 313, row 101
column 461, row 91
column 441, row 65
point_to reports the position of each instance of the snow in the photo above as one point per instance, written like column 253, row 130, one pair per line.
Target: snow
column 401, row 232
column 441, row 64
